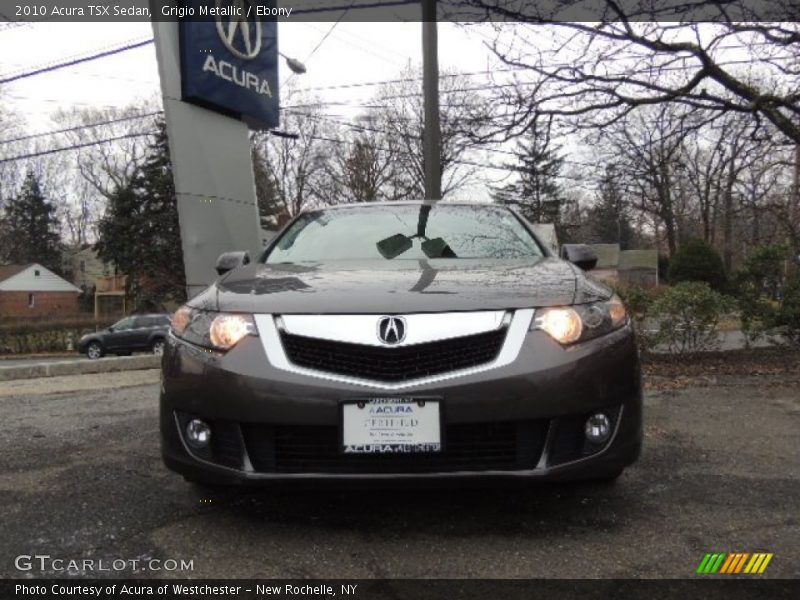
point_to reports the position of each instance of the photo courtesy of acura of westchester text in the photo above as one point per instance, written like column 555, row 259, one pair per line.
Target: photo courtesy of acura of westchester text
column 399, row 299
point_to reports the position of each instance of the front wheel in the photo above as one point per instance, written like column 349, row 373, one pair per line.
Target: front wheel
column 158, row 347
column 94, row 350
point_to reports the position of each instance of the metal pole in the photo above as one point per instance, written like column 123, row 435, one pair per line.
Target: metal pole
column 431, row 139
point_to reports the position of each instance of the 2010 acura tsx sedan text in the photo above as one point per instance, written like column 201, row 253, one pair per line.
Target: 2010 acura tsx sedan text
column 402, row 340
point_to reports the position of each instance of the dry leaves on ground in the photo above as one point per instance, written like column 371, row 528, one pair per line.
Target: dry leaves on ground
column 665, row 372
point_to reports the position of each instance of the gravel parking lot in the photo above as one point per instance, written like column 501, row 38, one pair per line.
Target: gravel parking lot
column 81, row 477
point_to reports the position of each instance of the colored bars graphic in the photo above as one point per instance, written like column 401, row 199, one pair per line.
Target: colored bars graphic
column 734, row 563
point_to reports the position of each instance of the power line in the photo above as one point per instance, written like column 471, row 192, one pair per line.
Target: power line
column 476, row 148
column 413, row 79
column 75, row 146
column 363, row 44
column 322, row 40
column 328, row 33
column 77, row 61
column 81, row 54
column 83, row 126
column 294, row 106
column 458, row 161
column 377, row 106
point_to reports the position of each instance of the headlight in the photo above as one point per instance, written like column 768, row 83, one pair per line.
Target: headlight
column 221, row 331
column 570, row 324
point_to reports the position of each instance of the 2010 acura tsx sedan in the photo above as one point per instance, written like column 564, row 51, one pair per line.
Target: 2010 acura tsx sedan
column 402, row 340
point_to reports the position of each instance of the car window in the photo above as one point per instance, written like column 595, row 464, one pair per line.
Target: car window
column 405, row 232
column 126, row 323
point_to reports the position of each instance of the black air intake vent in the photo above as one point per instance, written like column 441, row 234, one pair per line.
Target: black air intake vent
column 401, row 363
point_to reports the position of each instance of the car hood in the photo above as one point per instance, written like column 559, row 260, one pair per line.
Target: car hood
column 440, row 285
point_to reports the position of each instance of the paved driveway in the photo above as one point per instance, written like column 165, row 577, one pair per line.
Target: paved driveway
column 81, row 477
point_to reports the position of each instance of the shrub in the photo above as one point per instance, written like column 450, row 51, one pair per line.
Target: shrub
column 787, row 315
column 688, row 316
column 755, row 311
column 698, row 261
column 23, row 336
column 757, row 285
column 639, row 301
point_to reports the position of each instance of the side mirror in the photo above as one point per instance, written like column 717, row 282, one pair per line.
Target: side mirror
column 228, row 261
column 580, row 255
column 110, row 328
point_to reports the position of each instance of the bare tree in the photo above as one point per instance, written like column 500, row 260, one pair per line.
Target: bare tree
column 13, row 142
column 765, row 183
column 603, row 64
column 464, row 115
column 646, row 148
column 109, row 165
column 295, row 164
column 365, row 168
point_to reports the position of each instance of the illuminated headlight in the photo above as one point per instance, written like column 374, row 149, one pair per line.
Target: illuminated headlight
column 221, row 331
column 570, row 324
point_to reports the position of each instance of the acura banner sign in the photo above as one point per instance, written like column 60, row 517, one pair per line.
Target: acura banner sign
column 229, row 58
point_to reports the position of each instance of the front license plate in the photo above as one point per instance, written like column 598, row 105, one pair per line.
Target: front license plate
column 391, row 426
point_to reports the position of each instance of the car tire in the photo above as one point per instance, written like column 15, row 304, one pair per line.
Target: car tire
column 157, row 347
column 94, row 350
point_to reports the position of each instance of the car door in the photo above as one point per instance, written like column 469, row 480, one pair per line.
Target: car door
column 142, row 328
column 120, row 336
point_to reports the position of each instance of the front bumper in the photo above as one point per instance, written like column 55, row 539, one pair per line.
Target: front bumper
column 521, row 420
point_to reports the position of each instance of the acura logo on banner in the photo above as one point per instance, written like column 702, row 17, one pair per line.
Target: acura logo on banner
column 229, row 62
column 240, row 34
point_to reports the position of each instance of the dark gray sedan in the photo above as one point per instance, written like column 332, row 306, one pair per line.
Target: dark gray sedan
column 402, row 340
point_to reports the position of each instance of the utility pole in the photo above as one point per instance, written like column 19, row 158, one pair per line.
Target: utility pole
column 431, row 141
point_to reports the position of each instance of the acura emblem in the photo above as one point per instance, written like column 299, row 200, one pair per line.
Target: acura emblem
column 391, row 330
column 249, row 31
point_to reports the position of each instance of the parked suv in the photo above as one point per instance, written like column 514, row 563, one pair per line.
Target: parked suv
column 132, row 334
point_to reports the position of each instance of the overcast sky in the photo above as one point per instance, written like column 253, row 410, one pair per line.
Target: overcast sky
column 352, row 53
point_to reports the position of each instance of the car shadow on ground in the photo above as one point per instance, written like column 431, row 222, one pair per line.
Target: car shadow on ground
column 433, row 508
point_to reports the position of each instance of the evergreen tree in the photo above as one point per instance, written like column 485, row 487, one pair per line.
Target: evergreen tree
column 536, row 193
column 270, row 209
column 140, row 234
column 697, row 260
column 31, row 227
column 608, row 219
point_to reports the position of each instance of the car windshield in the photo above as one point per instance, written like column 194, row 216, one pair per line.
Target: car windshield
column 405, row 232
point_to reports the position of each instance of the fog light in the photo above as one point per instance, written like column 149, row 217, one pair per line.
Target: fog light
column 198, row 433
column 598, row 428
